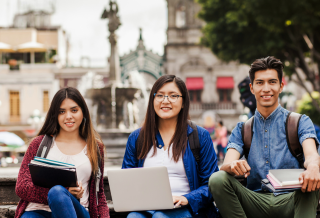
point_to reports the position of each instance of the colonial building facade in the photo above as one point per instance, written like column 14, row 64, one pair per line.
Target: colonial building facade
column 212, row 84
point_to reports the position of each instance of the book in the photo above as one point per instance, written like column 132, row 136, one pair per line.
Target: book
column 277, row 186
column 48, row 173
column 266, row 185
column 51, row 162
column 286, row 177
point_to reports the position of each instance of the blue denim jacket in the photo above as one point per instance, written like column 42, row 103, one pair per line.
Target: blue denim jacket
column 198, row 176
column 269, row 148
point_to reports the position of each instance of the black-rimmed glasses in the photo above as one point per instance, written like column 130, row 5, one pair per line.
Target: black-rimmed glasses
column 160, row 97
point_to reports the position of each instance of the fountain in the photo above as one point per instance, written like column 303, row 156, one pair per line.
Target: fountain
column 113, row 105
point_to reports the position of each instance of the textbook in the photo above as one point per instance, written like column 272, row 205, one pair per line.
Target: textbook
column 276, row 186
column 266, row 185
column 286, row 177
column 48, row 173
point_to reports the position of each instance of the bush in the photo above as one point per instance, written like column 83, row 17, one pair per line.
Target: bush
column 306, row 107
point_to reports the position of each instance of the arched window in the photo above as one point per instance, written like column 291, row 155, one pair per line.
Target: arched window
column 181, row 18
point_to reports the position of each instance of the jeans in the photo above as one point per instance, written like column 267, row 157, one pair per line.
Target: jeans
column 183, row 212
column 236, row 201
column 62, row 204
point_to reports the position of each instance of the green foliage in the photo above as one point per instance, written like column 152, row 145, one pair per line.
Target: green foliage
column 305, row 107
column 245, row 30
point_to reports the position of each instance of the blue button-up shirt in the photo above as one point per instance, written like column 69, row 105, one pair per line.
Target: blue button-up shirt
column 269, row 148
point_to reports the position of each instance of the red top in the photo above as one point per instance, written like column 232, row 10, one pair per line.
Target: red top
column 28, row 192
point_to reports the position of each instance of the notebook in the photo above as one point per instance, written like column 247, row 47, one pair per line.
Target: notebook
column 277, row 186
column 48, row 173
column 286, row 177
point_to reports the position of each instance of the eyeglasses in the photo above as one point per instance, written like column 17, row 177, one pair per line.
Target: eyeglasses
column 161, row 97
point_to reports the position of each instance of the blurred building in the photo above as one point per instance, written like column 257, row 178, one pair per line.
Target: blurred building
column 212, row 84
column 30, row 52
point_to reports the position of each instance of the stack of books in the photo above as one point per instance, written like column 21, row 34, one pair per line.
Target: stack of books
column 48, row 173
column 283, row 180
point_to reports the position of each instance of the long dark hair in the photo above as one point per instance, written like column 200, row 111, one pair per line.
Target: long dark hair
column 86, row 131
column 150, row 126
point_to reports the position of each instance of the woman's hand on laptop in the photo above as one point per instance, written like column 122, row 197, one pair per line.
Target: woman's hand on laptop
column 77, row 191
column 179, row 200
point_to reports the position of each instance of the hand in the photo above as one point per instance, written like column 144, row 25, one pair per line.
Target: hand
column 180, row 200
column 310, row 179
column 77, row 191
column 240, row 168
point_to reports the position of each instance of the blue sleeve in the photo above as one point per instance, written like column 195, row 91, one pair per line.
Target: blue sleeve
column 130, row 159
column 306, row 130
column 201, row 197
column 235, row 139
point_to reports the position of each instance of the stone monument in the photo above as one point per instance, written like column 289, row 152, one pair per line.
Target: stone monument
column 114, row 105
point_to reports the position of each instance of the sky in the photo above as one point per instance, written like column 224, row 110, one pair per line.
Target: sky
column 88, row 32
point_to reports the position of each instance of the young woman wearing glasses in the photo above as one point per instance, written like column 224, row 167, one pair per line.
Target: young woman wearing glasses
column 166, row 124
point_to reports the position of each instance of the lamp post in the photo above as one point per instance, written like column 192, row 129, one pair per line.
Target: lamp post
column 35, row 119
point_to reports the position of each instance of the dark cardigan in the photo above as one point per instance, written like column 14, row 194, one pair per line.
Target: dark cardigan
column 28, row 192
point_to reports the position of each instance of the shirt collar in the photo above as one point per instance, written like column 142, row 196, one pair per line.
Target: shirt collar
column 275, row 112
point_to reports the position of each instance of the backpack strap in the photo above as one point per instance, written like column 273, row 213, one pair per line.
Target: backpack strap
column 247, row 133
column 292, row 126
column 45, row 146
column 194, row 141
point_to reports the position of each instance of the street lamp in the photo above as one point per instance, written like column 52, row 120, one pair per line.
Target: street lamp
column 35, row 119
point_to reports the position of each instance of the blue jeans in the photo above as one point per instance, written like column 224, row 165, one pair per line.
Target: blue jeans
column 62, row 204
column 183, row 212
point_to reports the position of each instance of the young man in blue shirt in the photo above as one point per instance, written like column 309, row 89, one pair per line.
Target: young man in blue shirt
column 269, row 150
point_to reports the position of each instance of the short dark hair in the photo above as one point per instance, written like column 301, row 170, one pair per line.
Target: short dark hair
column 221, row 123
column 269, row 62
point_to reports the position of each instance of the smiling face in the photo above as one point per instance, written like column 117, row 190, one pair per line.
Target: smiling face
column 167, row 110
column 70, row 116
column 266, row 87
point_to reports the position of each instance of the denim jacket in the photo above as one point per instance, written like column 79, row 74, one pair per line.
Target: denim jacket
column 200, row 197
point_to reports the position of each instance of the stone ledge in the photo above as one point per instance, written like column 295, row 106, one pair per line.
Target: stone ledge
column 7, row 211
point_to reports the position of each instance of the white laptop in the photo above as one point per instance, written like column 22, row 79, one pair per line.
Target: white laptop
column 139, row 189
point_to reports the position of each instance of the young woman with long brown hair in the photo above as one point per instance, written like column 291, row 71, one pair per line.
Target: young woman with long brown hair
column 165, row 142
column 76, row 142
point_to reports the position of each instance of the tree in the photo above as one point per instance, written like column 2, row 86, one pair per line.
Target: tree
column 305, row 107
column 245, row 30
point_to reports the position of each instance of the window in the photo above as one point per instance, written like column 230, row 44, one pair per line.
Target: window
column 195, row 95
column 225, row 95
column 14, row 106
column 181, row 17
column 45, row 101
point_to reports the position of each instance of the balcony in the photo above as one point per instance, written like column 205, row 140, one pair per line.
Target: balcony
column 219, row 107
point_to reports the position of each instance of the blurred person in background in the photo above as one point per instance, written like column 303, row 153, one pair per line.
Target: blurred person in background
column 221, row 139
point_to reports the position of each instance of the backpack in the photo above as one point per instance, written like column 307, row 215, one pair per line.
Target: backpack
column 292, row 126
column 193, row 142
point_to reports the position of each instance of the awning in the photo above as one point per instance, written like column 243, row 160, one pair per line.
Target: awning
column 225, row 83
column 194, row 83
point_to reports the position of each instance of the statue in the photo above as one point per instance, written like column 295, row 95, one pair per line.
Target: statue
column 114, row 23
column 112, row 15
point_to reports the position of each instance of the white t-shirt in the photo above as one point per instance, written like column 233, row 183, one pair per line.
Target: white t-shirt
column 177, row 175
column 83, row 167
